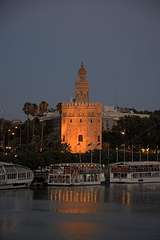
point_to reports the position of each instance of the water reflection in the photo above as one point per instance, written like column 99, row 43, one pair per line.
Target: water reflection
column 132, row 195
column 80, row 212
column 77, row 195
column 80, row 200
column 79, row 230
column 128, row 195
column 7, row 225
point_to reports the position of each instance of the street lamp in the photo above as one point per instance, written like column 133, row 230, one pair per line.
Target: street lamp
column 91, row 156
column 116, row 154
column 123, row 132
column 132, row 152
column 140, row 154
column 42, row 134
column 90, row 144
column 79, row 152
column 108, row 151
column 20, row 136
column 124, row 153
column 157, row 151
column 100, row 154
column 147, row 150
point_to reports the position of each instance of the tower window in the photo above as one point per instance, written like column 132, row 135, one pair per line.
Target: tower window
column 91, row 120
column 80, row 138
column 80, row 120
column 98, row 138
column 70, row 120
column 63, row 138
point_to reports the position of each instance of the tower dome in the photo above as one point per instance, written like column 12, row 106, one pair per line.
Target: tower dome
column 82, row 86
column 82, row 71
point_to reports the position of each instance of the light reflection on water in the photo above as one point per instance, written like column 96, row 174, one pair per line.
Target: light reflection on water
column 77, row 195
column 99, row 212
column 78, row 200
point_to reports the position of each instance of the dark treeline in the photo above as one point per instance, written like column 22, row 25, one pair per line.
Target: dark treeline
column 33, row 143
column 134, row 135
column 135, row 130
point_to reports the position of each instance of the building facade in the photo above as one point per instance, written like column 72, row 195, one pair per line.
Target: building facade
column 81, row 120
column 111, row 115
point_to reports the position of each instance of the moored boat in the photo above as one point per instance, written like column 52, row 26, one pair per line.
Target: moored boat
column 14, row 176
column 75, row 174
column 135, row 172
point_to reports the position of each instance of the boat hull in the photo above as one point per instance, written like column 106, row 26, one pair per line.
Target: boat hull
column 14, row 186
column 140, row 180
column 76, row 184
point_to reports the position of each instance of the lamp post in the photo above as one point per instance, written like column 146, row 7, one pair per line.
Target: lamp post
column 147, row 150
column 124, row 152
column 117, row 154
column 100, row 157
column 79, row 153
column 91, row 156
column 140, row 155
column 42, row 134
column 80, row 157
column 100, row 154
column 157, row 152
column 132, row 152
column 20, row 136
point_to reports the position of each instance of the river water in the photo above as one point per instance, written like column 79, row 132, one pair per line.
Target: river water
column 81, row 213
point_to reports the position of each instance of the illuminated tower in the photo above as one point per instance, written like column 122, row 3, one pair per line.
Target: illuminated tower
column 81, row 121
column 82, row 86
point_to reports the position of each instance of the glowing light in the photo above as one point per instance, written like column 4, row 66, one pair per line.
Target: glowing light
column 123, row 132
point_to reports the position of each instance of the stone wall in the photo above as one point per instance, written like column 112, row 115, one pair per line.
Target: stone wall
column 81, row 126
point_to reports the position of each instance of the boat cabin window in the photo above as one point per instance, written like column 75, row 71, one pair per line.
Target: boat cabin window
column 120, row 175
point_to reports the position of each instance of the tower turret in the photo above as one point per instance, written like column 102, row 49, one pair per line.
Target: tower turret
column 82, row 86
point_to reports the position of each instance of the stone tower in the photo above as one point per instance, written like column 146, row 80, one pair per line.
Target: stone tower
column 82, row 86
column 81, row 121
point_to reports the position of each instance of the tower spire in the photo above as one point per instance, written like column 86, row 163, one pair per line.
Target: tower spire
column 82, row 86
column 82, row 71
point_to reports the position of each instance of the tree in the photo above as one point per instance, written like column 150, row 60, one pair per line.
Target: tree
column 59, row 107
column 43, row 107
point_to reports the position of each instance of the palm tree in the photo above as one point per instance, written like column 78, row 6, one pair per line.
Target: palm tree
column 59, row 110
column 34, row 112
column 43, row 107
column 28, row 108
column 59, row 107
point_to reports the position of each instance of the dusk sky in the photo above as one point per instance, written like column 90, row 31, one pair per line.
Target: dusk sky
column 42, row 43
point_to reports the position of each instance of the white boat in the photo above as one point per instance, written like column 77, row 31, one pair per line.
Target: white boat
column 135, row 172
column 14, row 176
column 75, row 174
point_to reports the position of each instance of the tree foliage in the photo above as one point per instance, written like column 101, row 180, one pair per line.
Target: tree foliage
column 135, row 130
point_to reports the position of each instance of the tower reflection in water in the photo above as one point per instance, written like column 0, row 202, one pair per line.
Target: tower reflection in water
column 78, row 206
column 77, row 200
